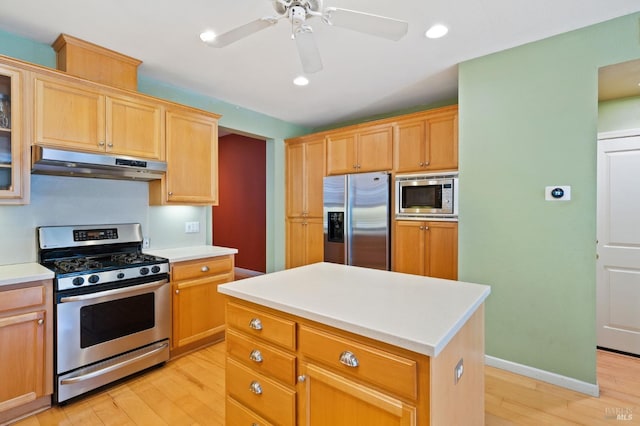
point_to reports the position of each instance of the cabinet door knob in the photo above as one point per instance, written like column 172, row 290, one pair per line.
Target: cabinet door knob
column 355, row 166
column 171, row 193
column 40, row 321
column 205, row 268
column 255, row 324
column 302, row 378
column 255, row 388
column 177, row 291
column 101, row 143
column 421, row 164
column 110, row 145
column 426, row 163
column 255, row 356
column 349, row 359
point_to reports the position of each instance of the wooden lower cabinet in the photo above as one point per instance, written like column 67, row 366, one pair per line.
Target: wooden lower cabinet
column 305, row 241
column 286, row 370
column 198, row 308
column 26, row 354
column 331, row 399
column 426, row 248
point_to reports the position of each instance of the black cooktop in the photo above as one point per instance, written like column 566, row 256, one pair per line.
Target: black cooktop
column 101, row 263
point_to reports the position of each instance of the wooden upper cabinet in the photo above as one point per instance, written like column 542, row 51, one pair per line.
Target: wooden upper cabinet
column 69, row 116
column 427, row 141
column 75, row 116
column 192, row 160
column 304, row 174
column 14, row 161
column 134, row 127
column 365, row 150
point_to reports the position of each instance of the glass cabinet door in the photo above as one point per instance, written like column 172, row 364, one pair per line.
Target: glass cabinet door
column 10, row 142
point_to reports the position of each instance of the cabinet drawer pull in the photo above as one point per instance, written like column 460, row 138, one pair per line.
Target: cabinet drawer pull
column 205, row 268
column 255, row 388
column 349, row 359
column 255, row 323
column 255, row 356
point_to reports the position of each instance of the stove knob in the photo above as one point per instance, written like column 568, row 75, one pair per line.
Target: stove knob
column 77, row 281
column 120, row 275
column 94, row 279
column 144, row 271
column 155, row 269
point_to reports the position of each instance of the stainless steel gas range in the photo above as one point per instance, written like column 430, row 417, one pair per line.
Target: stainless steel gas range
column 112, row 305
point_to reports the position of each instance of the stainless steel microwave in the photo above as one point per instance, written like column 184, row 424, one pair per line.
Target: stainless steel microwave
column 432, row 196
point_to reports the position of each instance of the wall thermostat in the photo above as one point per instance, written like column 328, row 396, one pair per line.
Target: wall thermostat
column 557, row 193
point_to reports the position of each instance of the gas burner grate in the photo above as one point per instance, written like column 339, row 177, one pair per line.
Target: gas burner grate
column 77, row 265
column 132, row 258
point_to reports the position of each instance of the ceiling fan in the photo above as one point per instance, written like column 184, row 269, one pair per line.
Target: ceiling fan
column 298, row 12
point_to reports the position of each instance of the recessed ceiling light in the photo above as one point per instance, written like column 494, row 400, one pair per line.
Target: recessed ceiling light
column 207, row 36
column 301, row 80
column 436, row 31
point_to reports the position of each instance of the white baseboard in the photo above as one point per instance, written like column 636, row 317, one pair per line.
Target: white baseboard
column 545, row 376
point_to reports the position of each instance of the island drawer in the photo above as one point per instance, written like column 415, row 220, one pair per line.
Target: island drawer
column 263, row 325
column 262, row 357
column 387, row 370
column 238, row 415
column 201, row 268
column 268, row 398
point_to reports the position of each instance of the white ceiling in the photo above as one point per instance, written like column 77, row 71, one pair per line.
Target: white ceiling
column 362, row 76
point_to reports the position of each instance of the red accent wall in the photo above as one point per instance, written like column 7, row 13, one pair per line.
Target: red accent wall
column 239, row 220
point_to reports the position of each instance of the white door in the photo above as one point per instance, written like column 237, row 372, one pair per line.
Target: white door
column 618, row 234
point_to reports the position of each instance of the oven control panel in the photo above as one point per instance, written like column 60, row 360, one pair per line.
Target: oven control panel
column 96, row 278
column 95, row 234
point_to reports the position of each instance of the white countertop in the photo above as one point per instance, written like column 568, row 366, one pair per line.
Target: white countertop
column 23, row 272
column 417, row 313
column 191, row 253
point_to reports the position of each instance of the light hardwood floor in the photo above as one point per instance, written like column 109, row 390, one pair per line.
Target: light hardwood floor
column 190, row 391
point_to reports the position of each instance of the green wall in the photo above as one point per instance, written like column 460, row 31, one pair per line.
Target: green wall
column 529, row 119
column 619, row 114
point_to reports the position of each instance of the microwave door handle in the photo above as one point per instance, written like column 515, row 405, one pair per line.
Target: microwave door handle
column 116, row 291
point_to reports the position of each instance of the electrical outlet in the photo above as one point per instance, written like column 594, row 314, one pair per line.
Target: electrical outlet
column 457, row 372
column 191, row 227
column 145, row 243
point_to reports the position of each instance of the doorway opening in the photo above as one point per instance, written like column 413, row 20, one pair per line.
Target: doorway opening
column 239, row 219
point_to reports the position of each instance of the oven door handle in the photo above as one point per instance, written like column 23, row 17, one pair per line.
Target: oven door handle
column 116, row 291
column 105, row 370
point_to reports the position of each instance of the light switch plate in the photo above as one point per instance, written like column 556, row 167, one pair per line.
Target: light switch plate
column 191, row 227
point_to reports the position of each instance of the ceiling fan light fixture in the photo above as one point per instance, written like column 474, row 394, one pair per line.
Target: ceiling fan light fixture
column 301, row 80
column 207, row 36
column 436, row 31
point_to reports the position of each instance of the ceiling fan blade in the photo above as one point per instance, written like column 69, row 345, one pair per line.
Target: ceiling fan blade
column 242, row 31
column 308, row 50
column 380, row 26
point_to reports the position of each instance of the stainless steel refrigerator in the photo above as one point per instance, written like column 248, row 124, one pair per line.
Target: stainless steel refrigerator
column 356, row 219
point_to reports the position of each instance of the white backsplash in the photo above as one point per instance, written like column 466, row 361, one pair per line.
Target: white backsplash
column 59, row 200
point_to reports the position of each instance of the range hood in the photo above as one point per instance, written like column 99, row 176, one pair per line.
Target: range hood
column 49, row 161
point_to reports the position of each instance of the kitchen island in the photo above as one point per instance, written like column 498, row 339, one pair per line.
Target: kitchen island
column 342, row 345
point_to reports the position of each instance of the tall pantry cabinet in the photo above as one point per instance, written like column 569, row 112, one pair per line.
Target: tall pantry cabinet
column 305, row 164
